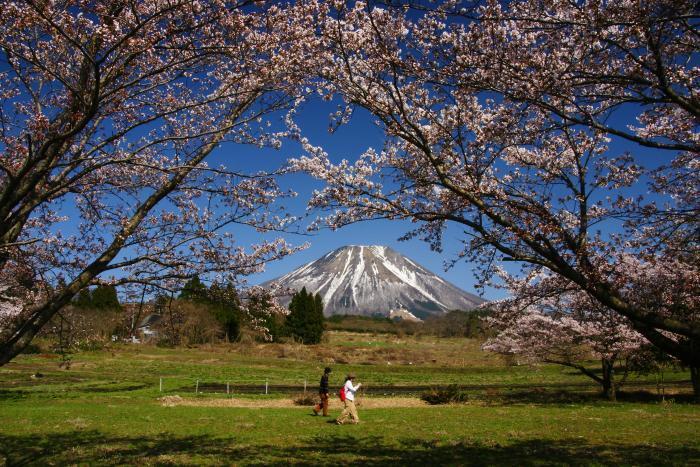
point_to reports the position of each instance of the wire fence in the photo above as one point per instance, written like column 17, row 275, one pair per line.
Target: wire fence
column 171, row 385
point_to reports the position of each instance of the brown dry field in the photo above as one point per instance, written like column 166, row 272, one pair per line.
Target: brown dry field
column 287, row 403
column 342, row 347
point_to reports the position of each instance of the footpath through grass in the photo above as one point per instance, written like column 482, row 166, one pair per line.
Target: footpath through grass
column 104, row 409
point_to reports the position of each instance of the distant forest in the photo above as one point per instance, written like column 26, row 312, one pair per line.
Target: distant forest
column 455, row 323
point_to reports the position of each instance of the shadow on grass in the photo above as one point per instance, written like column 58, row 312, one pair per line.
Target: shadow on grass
column 13, row 394
column 545, row 396
column 94, row 447
column 113, row 387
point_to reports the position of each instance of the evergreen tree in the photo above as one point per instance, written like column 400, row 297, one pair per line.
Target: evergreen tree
column 160, row 304
column 105, row 297
column 83, row 299
column 194, row 290
column 226, row 308
column 295, row 319
column 305, row 319
column 318, row 308
column 317, row 319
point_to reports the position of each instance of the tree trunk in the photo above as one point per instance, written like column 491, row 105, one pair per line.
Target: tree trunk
column 609, row 389
column 137, row 317
column 695, row 378
column 23, row 333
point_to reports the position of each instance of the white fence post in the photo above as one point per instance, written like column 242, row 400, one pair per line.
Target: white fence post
column 161, row 385
column 304, row 387
column 266, row 383
column 196, row 387
column 227, row 388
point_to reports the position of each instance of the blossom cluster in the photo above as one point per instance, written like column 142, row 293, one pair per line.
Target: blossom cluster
column 499, row 117
column 110, row 111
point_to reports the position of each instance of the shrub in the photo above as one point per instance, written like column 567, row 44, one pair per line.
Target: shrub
column 457, row 323
column 81, row 328
column 372, row 324
column 188, row 323
column 451, row 394
column 89, row 344
column 306, row 399
column 165, row 343
column 31, row 348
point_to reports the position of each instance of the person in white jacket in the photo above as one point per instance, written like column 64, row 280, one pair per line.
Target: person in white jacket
column 350, row 409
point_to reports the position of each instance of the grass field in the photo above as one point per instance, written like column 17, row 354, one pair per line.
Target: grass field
column 107, row 409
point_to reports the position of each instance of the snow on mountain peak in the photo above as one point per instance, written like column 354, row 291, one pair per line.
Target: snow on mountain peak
column 369, row 279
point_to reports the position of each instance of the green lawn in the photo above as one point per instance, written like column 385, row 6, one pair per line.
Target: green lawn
column 104, row 409
column 376, row 359
column 113, row 430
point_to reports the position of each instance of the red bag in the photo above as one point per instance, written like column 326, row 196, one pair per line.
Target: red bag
column 342, row 394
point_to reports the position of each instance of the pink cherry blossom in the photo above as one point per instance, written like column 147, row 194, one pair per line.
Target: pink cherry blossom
column 110, row 110
column 499, row 118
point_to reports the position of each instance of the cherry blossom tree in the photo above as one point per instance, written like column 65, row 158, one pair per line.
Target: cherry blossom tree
column 506, row 119
column 109, row 111
column 552, row 321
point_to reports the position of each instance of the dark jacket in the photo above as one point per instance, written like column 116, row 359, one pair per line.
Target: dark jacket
column 323, row 387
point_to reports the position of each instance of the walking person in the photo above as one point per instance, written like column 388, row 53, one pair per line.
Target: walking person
column 323, row 393
column 350, row 409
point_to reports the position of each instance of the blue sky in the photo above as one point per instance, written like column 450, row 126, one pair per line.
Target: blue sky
column 347, row 142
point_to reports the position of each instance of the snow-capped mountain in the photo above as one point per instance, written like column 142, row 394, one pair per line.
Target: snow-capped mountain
column 364, row 280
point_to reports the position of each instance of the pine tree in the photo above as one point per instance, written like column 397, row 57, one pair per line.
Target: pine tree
column 160, row 304
column 194, row 290
column 305, row 319
column 105, row 297
column 295, row 319
column 84, row 299
column 318, row 318
column 226, row 308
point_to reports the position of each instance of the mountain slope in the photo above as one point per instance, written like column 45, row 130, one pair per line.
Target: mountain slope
column 364, row 280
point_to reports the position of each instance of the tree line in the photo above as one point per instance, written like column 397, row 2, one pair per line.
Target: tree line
column 303, row 321
column 198, row 314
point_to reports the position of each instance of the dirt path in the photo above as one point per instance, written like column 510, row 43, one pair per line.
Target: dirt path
column 365, row 403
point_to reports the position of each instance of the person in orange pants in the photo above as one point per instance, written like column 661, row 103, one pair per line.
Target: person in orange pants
column 323, row 393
